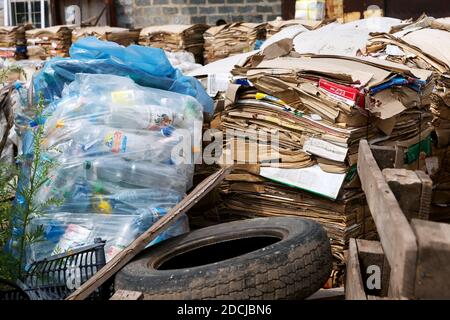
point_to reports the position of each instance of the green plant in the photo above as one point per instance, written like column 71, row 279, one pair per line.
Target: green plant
column 8, row 177
column 20, row 216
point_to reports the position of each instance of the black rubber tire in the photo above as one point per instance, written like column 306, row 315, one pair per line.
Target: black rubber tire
column 293, row 268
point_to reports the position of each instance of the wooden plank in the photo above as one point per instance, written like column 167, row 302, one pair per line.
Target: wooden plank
column 112, row 17
column 403, row 184
column 385, row 278
column 288, row 9
column 396, row 235
column 433, row 263
column 399, row 161
column 385, row 156
column 328, row 294
column 370, row 297
column 371, row 253
column 354, row 287
column 125, row 256
column 127, row 295
column 425, row 196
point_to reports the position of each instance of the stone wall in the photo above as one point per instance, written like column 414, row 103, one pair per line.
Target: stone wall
column 141, row 13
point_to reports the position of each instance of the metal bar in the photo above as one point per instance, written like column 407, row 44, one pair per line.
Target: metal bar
column 10, row 13
column 42, row 13
column 50, row 6
column 100, row 15
column 30, row 15
column 6, row 9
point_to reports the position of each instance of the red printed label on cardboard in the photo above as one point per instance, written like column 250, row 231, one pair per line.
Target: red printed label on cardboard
column 342, row 93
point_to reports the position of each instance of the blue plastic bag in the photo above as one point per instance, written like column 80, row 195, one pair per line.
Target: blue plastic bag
column 148, row 67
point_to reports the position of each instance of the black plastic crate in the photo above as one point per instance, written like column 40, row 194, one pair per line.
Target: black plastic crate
column 56, row 277
column 12, row 291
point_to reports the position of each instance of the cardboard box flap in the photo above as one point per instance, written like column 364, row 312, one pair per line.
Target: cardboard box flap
column 222, row 66
column 215, row 29
column 426, row 40
column 231, row 94
column 97, row 30
column 331, row 67
column 388, row 66
column 172, row 28
column 277, row 49
column 50, row 30
column 310, row 24
column 385, row 105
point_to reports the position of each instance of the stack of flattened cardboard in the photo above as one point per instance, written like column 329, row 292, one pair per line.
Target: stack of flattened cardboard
column 422, row 44
column 13, row 43
column 230, row 39
column 425, row 44
column 273, row 27
column 318, row 108
column 341, row 39
column 49, row 42
column 175, row 38
column 122, row 36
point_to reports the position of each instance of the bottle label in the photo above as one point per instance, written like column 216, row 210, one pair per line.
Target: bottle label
column 74, row 236
column 102, row 205
column 124, row 97
column 159, row 120
column 116, row 141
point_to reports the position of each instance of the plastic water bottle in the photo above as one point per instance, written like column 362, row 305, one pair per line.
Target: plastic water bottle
column 83, row 139
column 137, row 174
column 145, row 195
column 100, row 140
column 143, row 117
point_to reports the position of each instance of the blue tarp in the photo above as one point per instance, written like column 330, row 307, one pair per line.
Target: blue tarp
column 148, row 67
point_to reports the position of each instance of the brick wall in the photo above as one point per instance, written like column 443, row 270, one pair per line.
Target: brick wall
column 141, row 13
column 125, row 12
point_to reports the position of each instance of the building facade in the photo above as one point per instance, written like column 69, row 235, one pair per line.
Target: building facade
column 141, row 13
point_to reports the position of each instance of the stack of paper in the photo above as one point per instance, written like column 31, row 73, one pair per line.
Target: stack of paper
column 175, row 38
column 316, row 109
column 320, row 106
column 273, row 27
column 49, row 42
column 121, row 36
column 424, row 44
column 230, row 39
column 13, row 43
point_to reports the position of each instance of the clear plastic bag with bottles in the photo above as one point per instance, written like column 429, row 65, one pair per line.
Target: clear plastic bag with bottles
column 118, row 165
